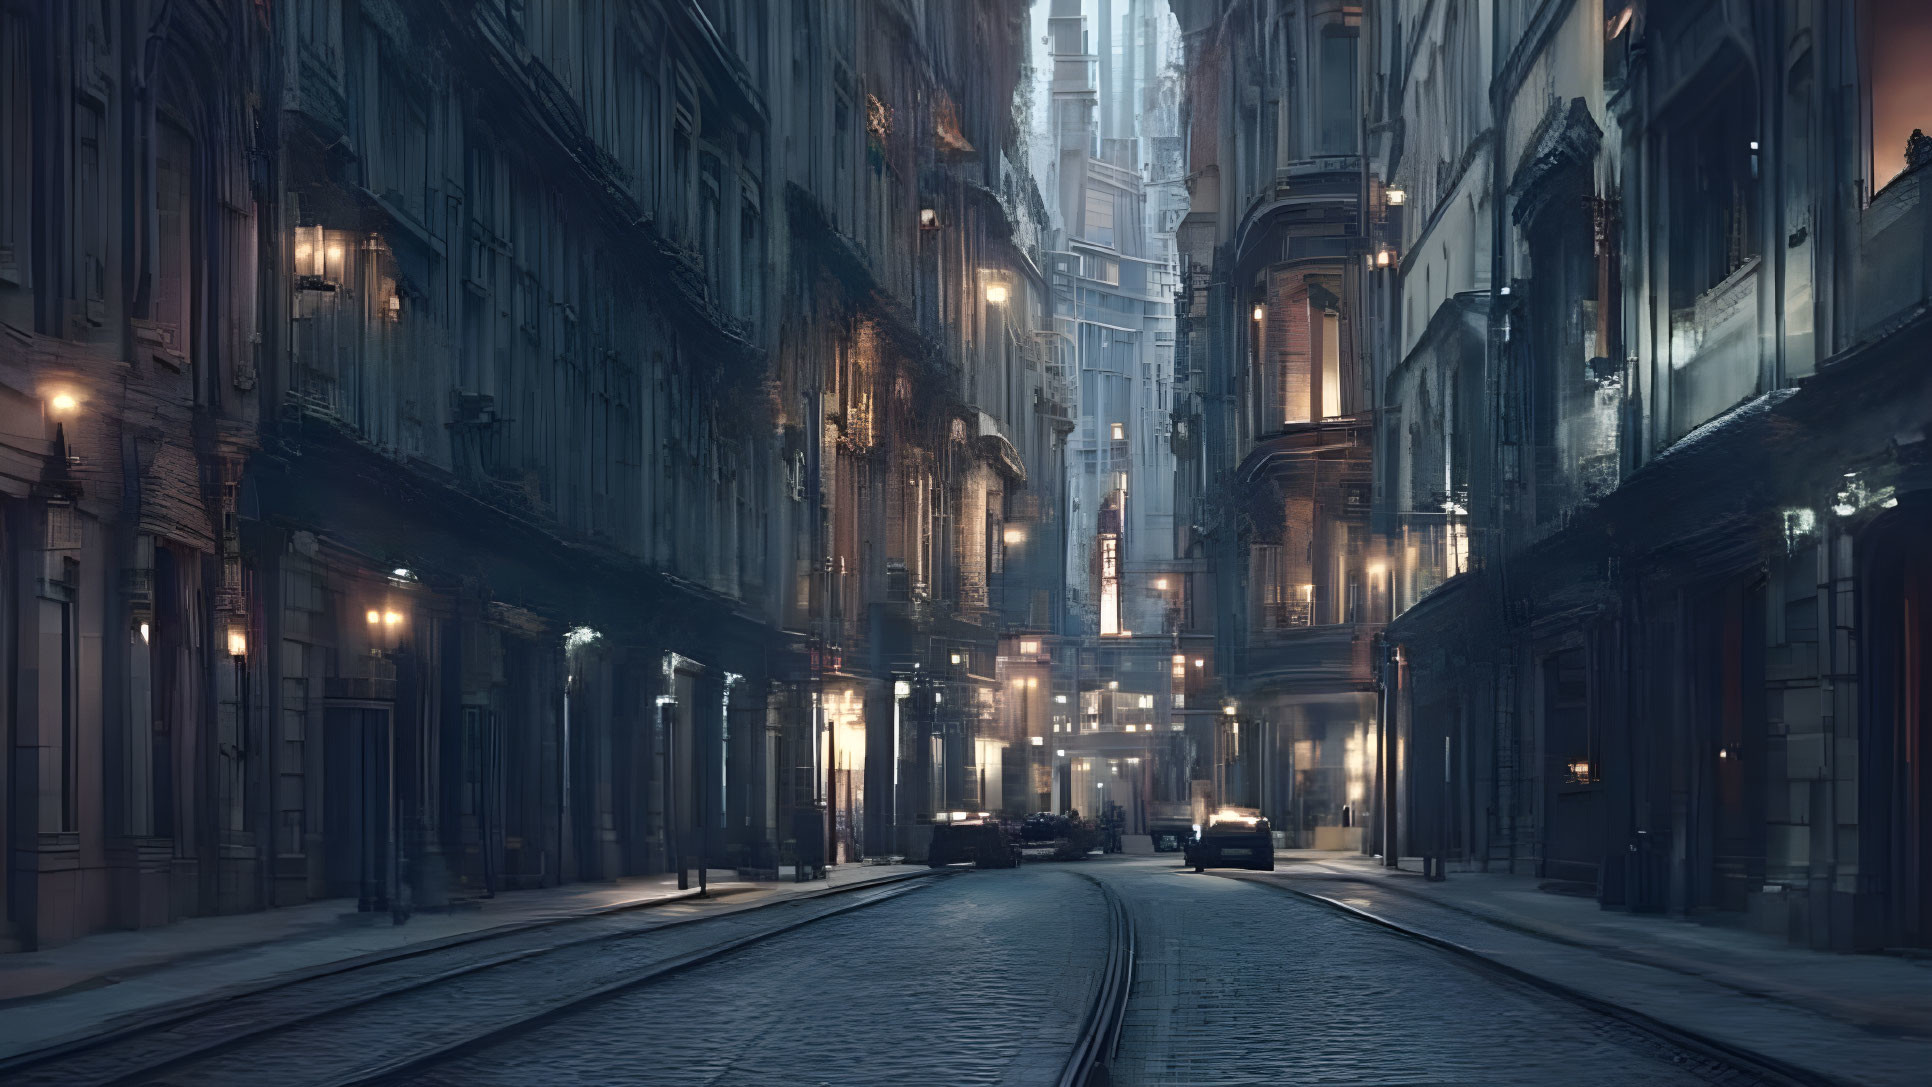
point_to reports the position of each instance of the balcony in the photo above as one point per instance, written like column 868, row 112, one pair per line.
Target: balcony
column 1307, row 659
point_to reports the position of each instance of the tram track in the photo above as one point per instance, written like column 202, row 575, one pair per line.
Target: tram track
column 314, row 1022
column 1090, row 1063
column 1754, row 1069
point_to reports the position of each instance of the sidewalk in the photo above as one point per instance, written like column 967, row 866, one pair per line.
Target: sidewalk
column 106, row 981
column 1821, row 1016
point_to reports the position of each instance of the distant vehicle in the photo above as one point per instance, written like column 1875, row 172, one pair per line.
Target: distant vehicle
column 1234, row 839
column 1171, row 824
column 1043, row 826
column 1113, row 823
column 971, row 836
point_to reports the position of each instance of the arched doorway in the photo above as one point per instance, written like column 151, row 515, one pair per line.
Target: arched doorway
column 1895, row 622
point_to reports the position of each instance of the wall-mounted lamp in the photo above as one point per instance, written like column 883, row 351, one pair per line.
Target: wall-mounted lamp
column 1260, row 311
column 1382, row 258
column 996, row 293
column 1160, row 584
column 956, row 658
column 63, row 403
column 1395, row 197
column 1228, row 710
column 237, row 641
column 929, row 218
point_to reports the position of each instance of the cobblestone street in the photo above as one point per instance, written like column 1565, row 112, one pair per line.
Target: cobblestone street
column 1240, row 984
column 964, row 978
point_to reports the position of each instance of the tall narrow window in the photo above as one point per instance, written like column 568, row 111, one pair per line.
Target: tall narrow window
column 1331, row 326
column 173, row 245
column 708, row 226
column 16, row 144
column 90, row 220
column 1100, row 217
column 1109, row 583
column 750, row 262
column 1898, row 39
column 1715, row 190
column 1338, row 91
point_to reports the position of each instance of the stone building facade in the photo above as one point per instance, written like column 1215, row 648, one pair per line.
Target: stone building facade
column 1649, row 369
column 461, row 447
column 1275, row 263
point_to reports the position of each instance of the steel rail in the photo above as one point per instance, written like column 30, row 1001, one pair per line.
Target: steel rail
column 401, row 1069
column 1768, row 1070
column 1091, row 1062
column 35, row 1066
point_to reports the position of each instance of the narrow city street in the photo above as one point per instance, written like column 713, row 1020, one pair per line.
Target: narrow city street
column 742, row 542
column 956, row 977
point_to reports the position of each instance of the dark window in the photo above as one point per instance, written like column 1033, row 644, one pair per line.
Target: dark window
column 173, row 250
column 1338, row 91
column 1714, row 191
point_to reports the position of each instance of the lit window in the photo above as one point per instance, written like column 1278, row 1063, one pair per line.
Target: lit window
column 1029, row 647
column 1120, row 432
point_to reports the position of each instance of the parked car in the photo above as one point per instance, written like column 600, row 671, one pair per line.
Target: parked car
column 1234, row 839
column 980, row 839
column 1044, row 826
column 1170, row 824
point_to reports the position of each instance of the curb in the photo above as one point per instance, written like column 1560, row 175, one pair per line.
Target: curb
column 1770, row 1069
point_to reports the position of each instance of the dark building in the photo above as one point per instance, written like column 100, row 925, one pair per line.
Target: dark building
column 1659, row 271
column 1273, row 246
column 458, row 447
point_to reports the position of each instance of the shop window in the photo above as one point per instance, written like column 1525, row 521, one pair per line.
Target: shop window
column 1898, row 39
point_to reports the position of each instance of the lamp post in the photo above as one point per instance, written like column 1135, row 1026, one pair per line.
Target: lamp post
column 385, row 642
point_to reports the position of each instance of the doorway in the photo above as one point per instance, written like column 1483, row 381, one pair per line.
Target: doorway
column 1896, row 619
column 358, row 805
